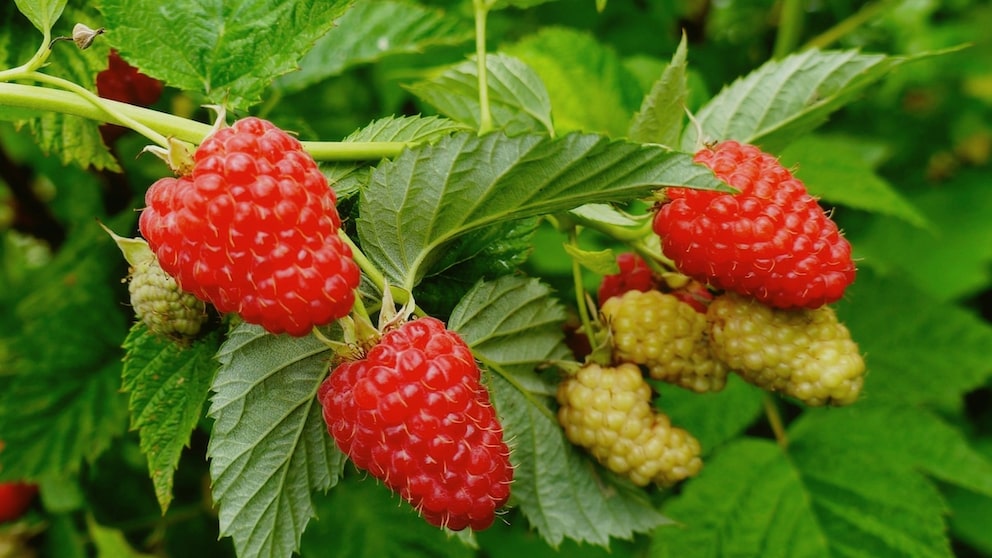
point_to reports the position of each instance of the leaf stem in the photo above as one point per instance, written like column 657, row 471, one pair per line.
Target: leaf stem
column 775, row 420
column 580, row 290
column 849, row 24
column 485, row 113
column 102, row 105
column 790, row 27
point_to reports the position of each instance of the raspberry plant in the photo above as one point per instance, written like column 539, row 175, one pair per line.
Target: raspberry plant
column 530, row 180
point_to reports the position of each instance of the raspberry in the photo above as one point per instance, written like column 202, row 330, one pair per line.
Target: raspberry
column 123, row 82
column 608, row 411
column 635, row 275
column 158, row 301
column 804, row 353
column 665, row 334
column 414, row 414
column 254, row 230
column 771, row 240
column 15, row 498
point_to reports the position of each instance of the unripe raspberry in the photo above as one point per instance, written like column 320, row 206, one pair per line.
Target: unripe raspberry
column 667, row 336
column 158, row 301
column 608, row 412
column 806, row 354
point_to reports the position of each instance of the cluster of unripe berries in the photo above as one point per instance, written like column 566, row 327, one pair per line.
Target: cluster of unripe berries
column 756, row 271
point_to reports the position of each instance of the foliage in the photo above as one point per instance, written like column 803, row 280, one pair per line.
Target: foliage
column 490, row 158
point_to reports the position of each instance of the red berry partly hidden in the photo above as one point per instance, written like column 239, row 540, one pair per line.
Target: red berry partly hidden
column 253, row 229
column 772, row 240
column 15, row 498
column 414, row 414
column 123, row 82
column 634, row 275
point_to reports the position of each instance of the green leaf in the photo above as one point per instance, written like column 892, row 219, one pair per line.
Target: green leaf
column 111, row 543
column 951, row 260
column 518, row 100
column 269, row 447
column 231, row 50
column 363, row 519
column 784, row 99
column 168, row 385
column 349, row 178
column 713, row 418
column 753, row 500
column 601, row 262
column 370, row 31
column 512, row 322
column 663, row 109
column 969, row 517
column 900, row 436
column 908, row 359
column 562, row 493
column 429, row 195
column 42, row 13
column 590, row 88
column 60, row 403
column 839, row 170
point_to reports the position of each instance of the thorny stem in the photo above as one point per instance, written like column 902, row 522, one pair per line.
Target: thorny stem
column 775, row 420
column 485, row 114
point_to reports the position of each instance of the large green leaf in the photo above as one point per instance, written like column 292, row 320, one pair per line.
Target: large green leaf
column 838, row 170
column 908, row 358
column 513, row 325
column 168, row 384
column 231, row 50
column 752, row 499
column 372, row 30
column 429, row 195
column 269, row 447
column 60, row 400
column 663, row 110
column 42, row 13
column 364, row 519
column 784, row 99
column 713, row 418
column 900, row 436
column 590, row 88
column 518, row 101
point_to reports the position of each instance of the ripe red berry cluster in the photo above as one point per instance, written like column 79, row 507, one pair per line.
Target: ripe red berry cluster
column 771, row 240
column 123, row 82
column 634, row 275
column 414, row 414
column 253, row 229
column 15, row 499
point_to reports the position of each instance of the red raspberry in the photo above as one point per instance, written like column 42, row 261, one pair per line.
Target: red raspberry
column 414, row 414
column 635, row 275
column 123, row 82
column 254, row 230
column 15, row 498
column 771, row 241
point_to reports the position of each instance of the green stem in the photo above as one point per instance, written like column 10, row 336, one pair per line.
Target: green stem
column 790, row 27
column 863, row 16
column 580, row 289
column 775, row 420
column 400, row 294
column 485, row 113
column 46, row 99
column 101, row 105
column 36, row 61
